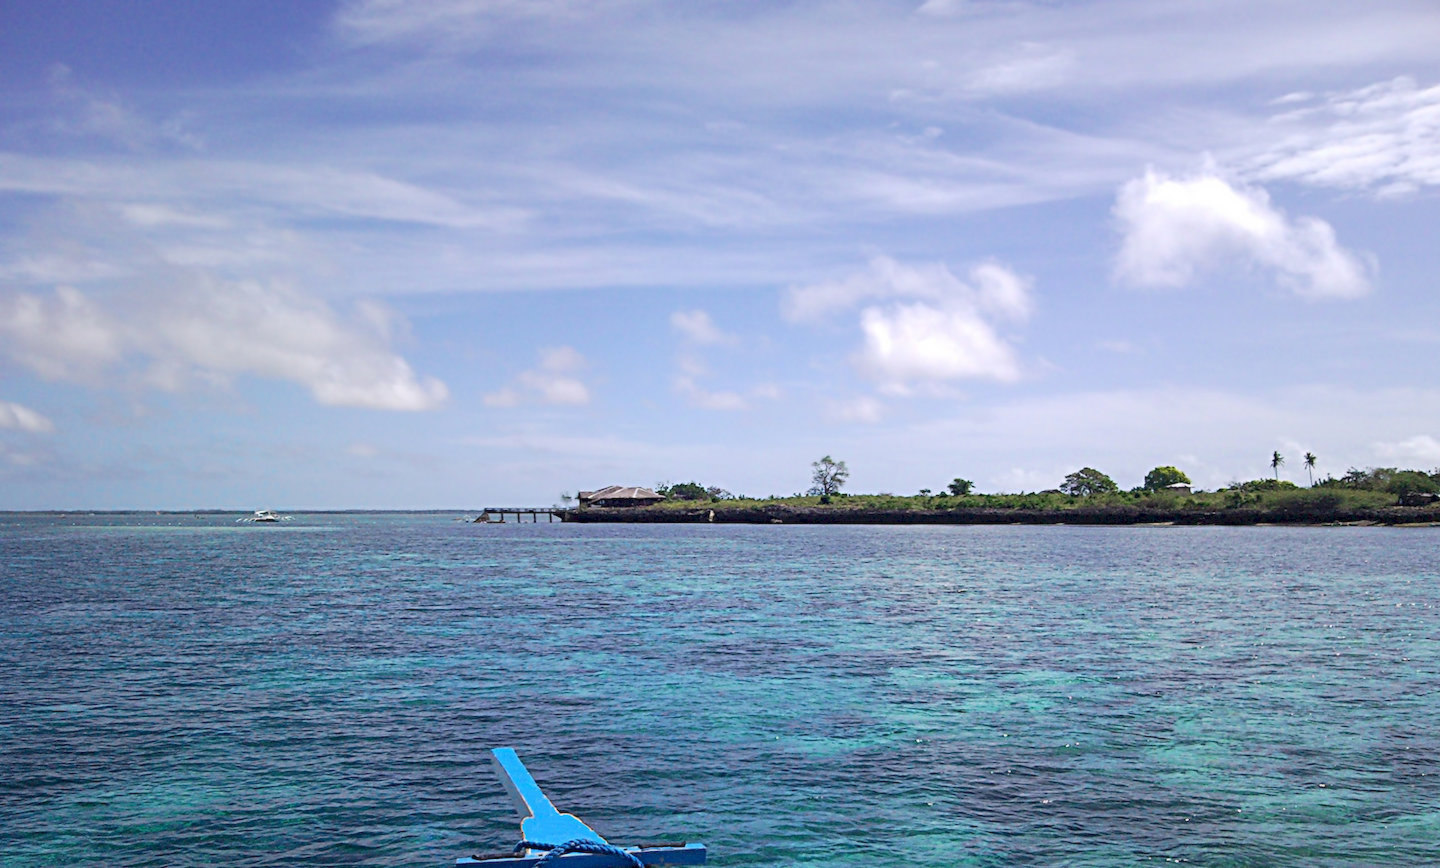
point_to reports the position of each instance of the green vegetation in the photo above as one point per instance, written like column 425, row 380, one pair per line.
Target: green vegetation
column 1387, row 479
column 1380, row 494
column 691, row 491
column 1088, row 482
column 828, row 477
column 1164, row 477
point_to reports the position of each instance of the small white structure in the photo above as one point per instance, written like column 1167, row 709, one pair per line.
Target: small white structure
column 1178, row 488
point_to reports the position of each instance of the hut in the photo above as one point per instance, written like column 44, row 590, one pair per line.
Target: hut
column 1178, row 488
column 617, row 495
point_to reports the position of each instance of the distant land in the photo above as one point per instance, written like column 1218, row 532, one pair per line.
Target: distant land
column 1382, row 497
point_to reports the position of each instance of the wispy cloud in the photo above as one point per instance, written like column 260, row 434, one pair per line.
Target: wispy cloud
column 86, row 113
column 22, row 418
column 1384, row 137
column 708, row 400
column 1175, row 229
column 1420, row 448
column 864, row 408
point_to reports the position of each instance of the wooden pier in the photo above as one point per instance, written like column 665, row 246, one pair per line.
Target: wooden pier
column 551, row 513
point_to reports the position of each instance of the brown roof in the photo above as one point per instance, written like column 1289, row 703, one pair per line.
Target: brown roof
column 621, row 492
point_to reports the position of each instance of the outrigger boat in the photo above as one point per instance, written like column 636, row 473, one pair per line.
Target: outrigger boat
column 548, row 837
column 264, row 516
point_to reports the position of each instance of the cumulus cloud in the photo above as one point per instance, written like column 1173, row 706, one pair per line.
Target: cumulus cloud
column 922, row 324
column 1385, row 137
column 909, row 342
column 699, row 328
column 1174, row 229
column 209, row 329
column 554, row 381
column 16, row 416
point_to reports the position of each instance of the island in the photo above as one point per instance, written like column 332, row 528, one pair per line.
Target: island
column 1373, row 496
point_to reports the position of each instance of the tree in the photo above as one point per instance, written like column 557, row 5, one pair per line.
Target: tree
column 684, row 491
column 960, row 487
column 1164, row 477
column 828, row 476
column 1404, row 482
column 1087, row 481
column 1310, row 467
column 1275, row 461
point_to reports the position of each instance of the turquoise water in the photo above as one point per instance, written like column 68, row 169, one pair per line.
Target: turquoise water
column 181, row 690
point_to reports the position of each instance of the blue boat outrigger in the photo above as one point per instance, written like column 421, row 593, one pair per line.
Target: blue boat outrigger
column 548, row 837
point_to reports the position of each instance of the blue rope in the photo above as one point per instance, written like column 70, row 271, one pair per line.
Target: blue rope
column 579, row 845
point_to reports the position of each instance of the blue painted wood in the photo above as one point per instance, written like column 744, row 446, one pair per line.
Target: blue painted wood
column 683, row 854
column 539, row 821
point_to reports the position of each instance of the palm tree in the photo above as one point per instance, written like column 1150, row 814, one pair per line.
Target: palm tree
column 1310, row 467
column 1275, row 461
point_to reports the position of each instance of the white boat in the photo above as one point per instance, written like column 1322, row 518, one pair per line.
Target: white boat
column 265, row 516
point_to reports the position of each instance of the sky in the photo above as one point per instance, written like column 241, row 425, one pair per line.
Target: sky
column 466, row 253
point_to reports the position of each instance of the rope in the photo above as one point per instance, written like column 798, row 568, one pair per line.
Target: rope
column 579, row 845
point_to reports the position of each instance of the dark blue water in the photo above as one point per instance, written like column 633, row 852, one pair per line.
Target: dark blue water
column 178, row 690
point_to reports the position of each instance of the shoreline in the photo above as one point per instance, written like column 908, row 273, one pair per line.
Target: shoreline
column 1395, row 516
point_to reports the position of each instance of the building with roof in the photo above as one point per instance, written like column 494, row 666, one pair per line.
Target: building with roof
column 617, row 495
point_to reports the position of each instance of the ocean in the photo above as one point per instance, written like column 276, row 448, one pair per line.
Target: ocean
column 186, row 690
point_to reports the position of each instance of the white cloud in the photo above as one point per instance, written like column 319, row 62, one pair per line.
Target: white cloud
column 1029, row 66
column 993, row 288
column 296, row 191
column 23, row 418
column 89, row 114
column 554, row 381
column 209, row 329
column 699, row 328
column 1043, row 437
column 864, row 408
column 700, row 397
column 65, row 337
column 933, row 327
column 1422, row 448
column 1177, row 228
column 687, row 384
column 368, row 21
column 1384, row 137
column 909, row 342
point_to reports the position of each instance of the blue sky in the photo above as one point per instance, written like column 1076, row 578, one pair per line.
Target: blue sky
column 459, row 253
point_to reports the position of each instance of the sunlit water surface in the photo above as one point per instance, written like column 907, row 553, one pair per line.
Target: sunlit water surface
column 185, row 690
